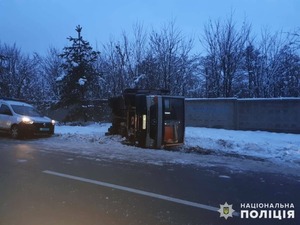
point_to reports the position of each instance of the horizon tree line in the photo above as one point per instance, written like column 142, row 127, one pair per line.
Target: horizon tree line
column 233, row 64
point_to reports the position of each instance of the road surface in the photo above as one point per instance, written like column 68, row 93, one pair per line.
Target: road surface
column 43, row 187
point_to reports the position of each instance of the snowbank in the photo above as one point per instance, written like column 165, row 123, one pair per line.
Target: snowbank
column 278, row 148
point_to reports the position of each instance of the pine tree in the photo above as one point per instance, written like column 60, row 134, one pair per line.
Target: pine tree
column 79, row 69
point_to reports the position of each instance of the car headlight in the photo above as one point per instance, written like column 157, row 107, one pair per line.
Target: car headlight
column 53, row 122
column 27, row 120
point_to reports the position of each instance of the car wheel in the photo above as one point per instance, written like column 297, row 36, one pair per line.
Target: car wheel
column 15, row 132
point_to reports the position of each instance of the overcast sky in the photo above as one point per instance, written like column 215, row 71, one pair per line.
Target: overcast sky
column 34, row 25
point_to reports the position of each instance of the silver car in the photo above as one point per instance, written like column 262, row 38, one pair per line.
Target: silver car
column 20, row 119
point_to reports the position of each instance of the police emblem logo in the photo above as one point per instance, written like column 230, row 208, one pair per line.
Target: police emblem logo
column 226, row 211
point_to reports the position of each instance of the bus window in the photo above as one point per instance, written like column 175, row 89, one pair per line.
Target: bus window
column 173, row 120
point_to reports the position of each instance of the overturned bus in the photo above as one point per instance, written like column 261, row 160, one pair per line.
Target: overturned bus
column 148, row 118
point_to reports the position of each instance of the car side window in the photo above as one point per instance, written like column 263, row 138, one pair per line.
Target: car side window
column 4, row 110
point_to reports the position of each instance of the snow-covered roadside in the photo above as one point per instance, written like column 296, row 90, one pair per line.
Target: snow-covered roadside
column 277, row 148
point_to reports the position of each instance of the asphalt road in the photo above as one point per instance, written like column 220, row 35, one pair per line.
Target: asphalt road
column 41, row 187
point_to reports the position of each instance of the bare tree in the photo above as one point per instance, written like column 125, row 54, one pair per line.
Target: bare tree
column 172, row 53
column 252, row 86
column 51, row 66
column 110, row 69
column 279, row 64
column 19, row 74
column 120, row 60
column 139, row 45
column 225, row 45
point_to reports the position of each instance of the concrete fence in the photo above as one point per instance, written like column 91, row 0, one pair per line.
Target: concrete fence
column 278, row 115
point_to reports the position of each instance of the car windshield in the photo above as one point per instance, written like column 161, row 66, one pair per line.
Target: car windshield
column 25, row 110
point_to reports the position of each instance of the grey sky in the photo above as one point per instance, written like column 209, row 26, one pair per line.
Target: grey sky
column 34, row 25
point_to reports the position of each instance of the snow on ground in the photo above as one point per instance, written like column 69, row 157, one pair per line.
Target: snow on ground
column 276, row 149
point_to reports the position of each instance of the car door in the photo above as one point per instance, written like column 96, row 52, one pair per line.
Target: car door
column 5, row 117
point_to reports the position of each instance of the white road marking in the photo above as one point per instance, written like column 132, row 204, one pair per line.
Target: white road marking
column 22, row 160
column 135, row 191
column 224, row 176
